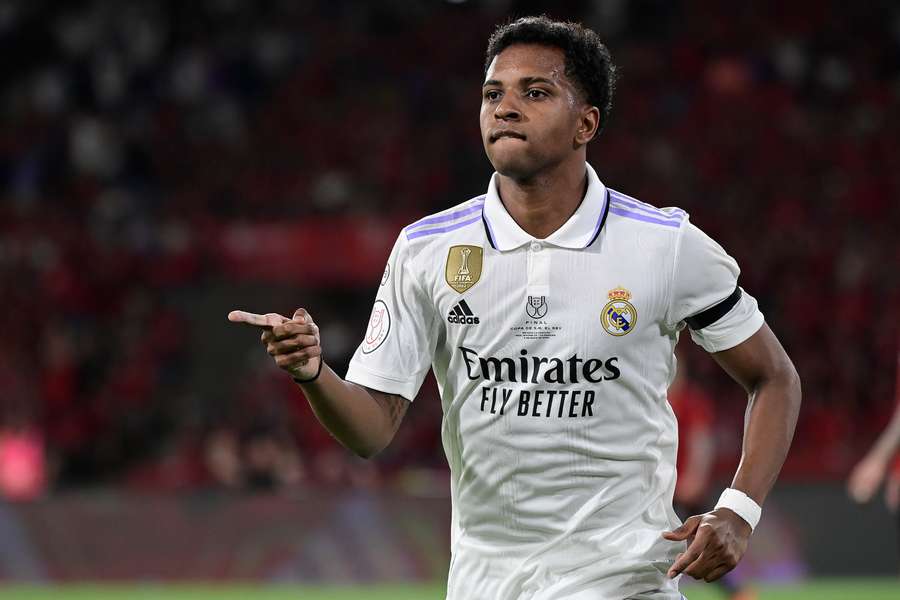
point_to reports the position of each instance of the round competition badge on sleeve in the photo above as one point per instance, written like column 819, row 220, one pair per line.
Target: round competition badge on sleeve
column 619, row 315
column 378, row 329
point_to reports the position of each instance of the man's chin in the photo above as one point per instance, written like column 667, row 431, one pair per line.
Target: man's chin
column 516, row 168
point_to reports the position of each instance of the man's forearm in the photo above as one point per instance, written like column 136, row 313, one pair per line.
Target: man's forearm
column 771, row 417
column 356, row 417
column 361, row 419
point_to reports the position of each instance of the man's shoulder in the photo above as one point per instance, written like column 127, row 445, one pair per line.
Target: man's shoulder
column 450, row 223
column 627, row 210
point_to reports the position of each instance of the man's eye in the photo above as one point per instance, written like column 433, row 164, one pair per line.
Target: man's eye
column 533, row 94
column 491, row 95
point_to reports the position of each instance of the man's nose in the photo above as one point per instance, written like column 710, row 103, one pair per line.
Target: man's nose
column 507, row 110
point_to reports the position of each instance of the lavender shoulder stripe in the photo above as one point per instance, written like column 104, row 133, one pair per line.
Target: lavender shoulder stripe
column 637, row 216
column 651, row 210
column 658, row 214
column 633, row 200
column 422, row 232
column 479, row 203
column 637, row 204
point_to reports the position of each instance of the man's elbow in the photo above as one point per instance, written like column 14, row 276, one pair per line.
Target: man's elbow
column 366, row 452
column 791, row 379
column 782, row 378
column 369, row 448
column 787, row 380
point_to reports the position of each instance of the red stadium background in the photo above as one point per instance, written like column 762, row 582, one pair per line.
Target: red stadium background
column 164, row 163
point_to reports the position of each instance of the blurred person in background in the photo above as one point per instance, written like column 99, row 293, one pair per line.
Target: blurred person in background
column 260, row 458
column 23, row 464
column 527, row 492
column 271, row 460
column 868, row 475
column 222, row 457
column 696, row 457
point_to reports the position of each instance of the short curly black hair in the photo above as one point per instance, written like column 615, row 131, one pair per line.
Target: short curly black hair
column 588, row 62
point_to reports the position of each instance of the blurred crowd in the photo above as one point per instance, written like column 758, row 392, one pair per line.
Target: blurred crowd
column 133, row 133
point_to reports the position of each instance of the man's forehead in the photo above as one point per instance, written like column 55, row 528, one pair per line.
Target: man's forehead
column 529, row 60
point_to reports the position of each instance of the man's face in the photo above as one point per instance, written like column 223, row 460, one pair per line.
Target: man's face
column 530, row 111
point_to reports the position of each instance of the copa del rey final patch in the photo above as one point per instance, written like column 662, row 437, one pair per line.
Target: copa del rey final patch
column 378, row 329
column 464, row 267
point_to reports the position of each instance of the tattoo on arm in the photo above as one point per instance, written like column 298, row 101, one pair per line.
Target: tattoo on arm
column 394, row 407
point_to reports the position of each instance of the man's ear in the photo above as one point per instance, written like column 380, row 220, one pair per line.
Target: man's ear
column 588, row 125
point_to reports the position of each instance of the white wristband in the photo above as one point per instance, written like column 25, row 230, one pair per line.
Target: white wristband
column 742, row 504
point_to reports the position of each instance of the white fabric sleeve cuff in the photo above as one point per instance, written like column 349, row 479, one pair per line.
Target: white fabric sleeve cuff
column 742, row 504
column 361, row 375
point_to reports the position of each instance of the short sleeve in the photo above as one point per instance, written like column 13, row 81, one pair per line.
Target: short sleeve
column 397, row 348
column 706, row 296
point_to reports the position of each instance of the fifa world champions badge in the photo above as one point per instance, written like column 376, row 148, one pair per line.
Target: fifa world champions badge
column 464, row 267
column 619, row 315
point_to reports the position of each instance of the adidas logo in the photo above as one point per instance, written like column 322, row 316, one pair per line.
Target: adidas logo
column 462, row 314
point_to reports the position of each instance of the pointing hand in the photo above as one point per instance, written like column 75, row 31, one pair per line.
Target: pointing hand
column 293, row 343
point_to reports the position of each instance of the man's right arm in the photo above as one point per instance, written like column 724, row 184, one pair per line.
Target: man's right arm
column 362, row 419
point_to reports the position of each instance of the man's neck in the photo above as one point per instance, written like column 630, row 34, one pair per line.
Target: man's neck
column 543, row 204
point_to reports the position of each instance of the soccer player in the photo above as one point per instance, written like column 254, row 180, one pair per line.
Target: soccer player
column 549, row 309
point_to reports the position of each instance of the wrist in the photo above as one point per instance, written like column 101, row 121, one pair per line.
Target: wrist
column 741, row 504
column 309, row 379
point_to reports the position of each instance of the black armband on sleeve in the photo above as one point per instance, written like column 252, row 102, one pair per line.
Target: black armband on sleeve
column 714, row 313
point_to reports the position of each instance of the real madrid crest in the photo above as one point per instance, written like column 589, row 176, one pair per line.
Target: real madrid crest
column 464, row 267
column 619, row 315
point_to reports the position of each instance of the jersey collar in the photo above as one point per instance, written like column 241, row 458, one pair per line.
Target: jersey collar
column 580, row 231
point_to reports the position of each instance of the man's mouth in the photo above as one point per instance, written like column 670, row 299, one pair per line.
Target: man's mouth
column 506, row 133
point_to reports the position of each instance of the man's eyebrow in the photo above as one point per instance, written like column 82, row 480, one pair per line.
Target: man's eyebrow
column 524, row 81
column 529, row 80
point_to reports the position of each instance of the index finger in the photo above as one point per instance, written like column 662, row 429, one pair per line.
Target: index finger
column 267, row 320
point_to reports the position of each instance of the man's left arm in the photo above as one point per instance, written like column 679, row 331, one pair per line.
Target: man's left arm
column 718, row 539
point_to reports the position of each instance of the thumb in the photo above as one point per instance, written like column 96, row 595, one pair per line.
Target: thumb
column 686, row 530
column 301, row 315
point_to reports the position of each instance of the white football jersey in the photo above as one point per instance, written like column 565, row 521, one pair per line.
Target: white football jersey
column 553, row 357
